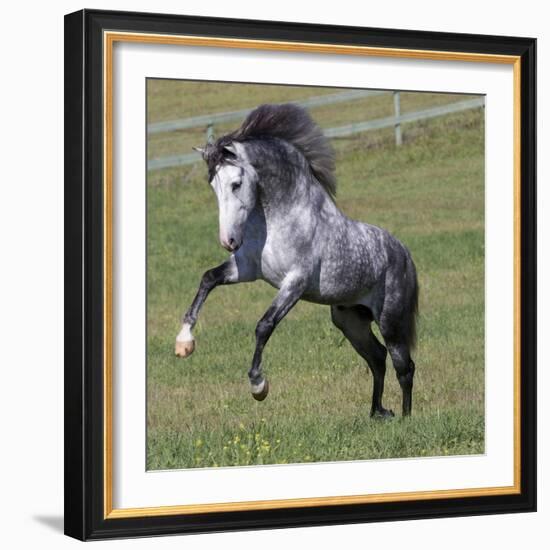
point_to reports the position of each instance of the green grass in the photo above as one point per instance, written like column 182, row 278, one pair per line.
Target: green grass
column 430, row 194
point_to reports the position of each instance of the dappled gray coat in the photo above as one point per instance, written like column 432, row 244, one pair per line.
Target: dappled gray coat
column 275, row 186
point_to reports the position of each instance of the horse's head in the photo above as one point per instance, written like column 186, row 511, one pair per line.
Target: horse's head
column 234, row 181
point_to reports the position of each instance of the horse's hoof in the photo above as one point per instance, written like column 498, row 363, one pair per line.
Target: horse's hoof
column 185, row 349
column 382, row 414
column 259, row 392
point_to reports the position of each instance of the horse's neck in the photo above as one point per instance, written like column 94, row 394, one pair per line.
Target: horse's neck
column 289, row 198
column 306, row 206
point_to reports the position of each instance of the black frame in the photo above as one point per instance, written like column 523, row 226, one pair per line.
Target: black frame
column 84, row 274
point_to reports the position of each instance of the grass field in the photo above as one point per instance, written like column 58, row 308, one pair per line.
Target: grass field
column 429, row 193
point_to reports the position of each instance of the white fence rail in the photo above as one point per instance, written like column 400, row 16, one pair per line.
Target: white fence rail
column 394, row 121
column 219, row 118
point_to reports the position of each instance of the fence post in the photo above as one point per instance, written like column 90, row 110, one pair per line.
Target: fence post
column 210, row 133
column 397, row 110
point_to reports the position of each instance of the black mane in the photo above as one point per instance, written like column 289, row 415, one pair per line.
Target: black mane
column 287, row 122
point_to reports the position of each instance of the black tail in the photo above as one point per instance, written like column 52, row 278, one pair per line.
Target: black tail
column 412, row 309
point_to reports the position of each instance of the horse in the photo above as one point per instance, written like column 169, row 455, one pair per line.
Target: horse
column 275, row 187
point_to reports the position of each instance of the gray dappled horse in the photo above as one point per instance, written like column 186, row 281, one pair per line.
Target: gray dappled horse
column 274, row 182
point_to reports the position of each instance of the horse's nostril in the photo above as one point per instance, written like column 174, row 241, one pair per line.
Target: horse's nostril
column 230, row 244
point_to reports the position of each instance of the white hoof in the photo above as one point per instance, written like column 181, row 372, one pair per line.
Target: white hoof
column 185, row 343
column 185, row 349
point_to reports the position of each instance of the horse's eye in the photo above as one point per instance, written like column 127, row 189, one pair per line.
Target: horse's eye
column 235, row 185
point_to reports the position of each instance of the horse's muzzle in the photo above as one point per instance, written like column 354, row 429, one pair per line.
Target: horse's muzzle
column 231, row 245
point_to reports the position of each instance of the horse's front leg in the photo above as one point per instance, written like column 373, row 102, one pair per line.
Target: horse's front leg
column 290, row 292
column 229, row 272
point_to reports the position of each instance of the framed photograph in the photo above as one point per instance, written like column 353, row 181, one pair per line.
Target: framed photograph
column 300, row 274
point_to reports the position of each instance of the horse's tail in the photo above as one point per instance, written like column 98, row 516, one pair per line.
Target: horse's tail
column 411, row 311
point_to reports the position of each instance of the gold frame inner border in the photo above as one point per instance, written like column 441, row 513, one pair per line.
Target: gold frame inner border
column 109, row 39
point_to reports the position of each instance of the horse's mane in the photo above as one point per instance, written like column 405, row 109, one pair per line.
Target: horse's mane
column 293, row 124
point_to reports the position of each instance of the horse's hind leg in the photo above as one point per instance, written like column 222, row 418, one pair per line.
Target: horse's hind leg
column 355, row 323
column 399, row 351
column 397, row 323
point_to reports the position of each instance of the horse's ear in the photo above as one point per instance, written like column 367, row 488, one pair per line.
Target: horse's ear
column 204, row 152
column 231, row 148
column 235, row 149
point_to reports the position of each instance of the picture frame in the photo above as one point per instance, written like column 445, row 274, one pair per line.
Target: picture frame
column 90, row 158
